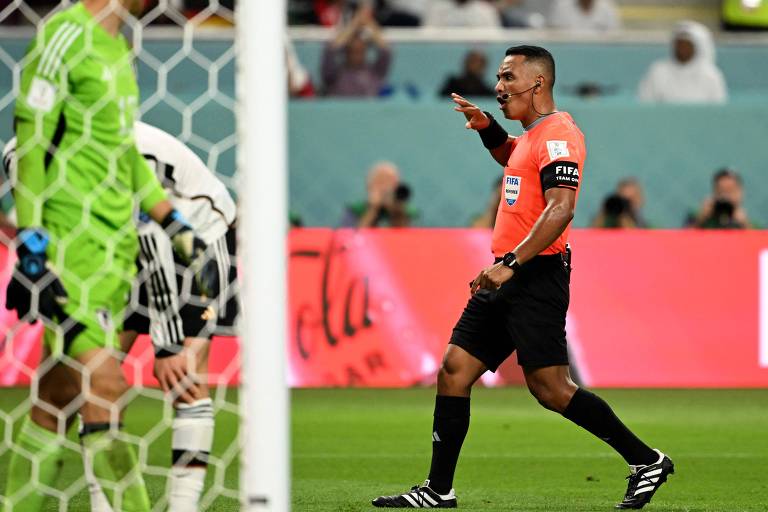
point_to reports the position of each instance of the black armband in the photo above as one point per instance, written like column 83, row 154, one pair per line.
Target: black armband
column 493, row 135
column 560, row 174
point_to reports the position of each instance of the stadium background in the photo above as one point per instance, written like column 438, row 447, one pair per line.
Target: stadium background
column 661, row 308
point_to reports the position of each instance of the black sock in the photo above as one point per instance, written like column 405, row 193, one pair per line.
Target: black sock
column 448, row 431
column 590, row 412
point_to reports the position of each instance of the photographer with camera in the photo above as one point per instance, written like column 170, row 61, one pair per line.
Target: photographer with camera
column 387, row 203
column 615, row 213
column 724, row 209
column 622, row 209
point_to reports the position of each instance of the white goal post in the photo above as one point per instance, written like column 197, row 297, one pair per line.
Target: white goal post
column 261, row 162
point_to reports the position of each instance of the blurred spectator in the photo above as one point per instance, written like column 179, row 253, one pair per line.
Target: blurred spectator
column 487, row 219
column 584, row 15
column 724, row 209
column 330, row 13
column 472, row 80
column 189, row 9
column 522, row 13
column 301, row 12
column 299, row 81
column 461, row 13
column 193, row 7
column 401, row 13
column 623, row 208
column 345, row 67
column 295, row 220
column 631, row 190
column 614, row 213
column 589, row 90
column 387, row 202
column 691, row 75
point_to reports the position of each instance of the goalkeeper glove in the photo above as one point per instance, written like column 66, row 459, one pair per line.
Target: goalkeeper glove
column 34, row 290
column 191, row 250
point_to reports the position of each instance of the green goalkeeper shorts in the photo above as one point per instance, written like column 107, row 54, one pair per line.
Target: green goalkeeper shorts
column 98, row 283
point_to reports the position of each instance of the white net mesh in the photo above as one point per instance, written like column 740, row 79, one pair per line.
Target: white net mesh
column 183, row 58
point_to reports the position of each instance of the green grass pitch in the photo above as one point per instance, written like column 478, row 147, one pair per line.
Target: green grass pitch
column 352, row 445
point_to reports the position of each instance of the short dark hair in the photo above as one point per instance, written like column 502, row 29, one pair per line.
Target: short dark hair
column 726, row 172
column 629, row 180
column 535, row 54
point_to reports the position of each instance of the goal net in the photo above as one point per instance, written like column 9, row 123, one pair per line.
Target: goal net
column 184, row 60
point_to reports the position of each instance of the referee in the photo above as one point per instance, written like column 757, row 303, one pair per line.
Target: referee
column 520, row 302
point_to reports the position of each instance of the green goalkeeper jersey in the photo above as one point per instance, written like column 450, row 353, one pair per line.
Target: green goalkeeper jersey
column 79, row 172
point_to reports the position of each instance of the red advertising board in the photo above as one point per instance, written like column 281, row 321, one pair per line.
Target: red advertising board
column 376, row 308
column 20, row 347
column 648, row 308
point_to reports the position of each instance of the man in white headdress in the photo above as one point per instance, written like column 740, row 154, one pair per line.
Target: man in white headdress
column 691, row 75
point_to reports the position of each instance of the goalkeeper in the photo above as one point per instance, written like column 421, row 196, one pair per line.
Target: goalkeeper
column 170, row 306
column 79, row 175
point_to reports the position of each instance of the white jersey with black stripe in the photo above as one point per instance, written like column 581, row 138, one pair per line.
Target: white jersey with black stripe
column 9, row 172
column 192, row 188
column 9, row 158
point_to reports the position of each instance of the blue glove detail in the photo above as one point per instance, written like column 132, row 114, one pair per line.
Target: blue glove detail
column 32, row 244
column 35, row 240
column 34, row 290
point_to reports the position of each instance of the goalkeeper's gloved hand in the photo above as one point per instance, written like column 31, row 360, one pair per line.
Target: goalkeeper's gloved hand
column 191, row 250
column 34, row 290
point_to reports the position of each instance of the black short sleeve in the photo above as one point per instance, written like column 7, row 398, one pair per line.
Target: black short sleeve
column 560, row 174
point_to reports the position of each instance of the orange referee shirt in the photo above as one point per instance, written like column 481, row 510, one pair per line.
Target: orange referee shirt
column 549, row 154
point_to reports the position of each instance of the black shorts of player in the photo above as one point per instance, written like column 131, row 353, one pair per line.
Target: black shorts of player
column 136, row 320
column 225, row 324
column 191, row 315
column 526, row 314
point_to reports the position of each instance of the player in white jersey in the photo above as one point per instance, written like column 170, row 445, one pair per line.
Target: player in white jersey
column 166, row 304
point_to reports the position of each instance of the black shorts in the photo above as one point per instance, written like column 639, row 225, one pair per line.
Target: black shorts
column 526, row 314
column 192, row 324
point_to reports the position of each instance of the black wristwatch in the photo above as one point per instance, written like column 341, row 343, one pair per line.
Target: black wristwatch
column 510, row 260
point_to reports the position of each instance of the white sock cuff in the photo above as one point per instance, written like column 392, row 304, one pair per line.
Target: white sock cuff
column 202, row 408
column 192, row 433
